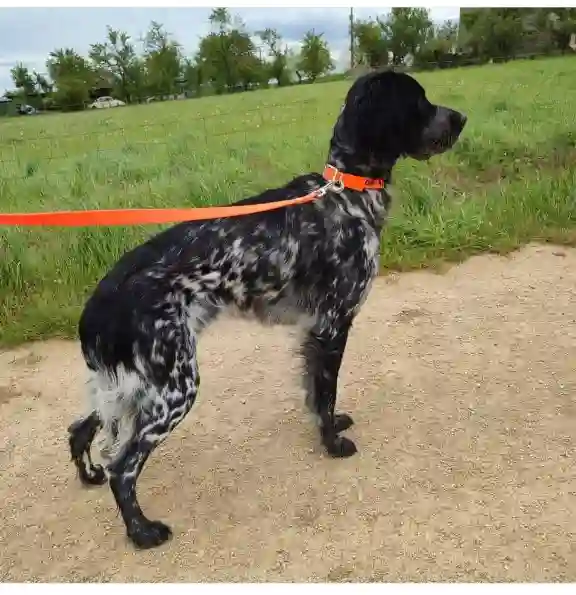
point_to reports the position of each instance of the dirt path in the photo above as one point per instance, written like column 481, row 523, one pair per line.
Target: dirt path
column 462, row 388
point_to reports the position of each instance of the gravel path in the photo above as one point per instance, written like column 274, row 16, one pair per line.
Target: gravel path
column 461, row 386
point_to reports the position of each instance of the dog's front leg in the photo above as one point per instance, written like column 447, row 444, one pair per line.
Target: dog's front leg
column 323, row 351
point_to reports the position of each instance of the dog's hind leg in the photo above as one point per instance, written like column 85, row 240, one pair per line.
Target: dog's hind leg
column 81, row 435
column 323, row 350
column 165, row 406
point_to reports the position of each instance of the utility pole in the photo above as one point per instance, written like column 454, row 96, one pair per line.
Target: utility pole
column 351, row 38
column 457, row 48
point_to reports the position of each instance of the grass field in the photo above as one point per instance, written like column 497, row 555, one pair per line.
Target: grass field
column 511, row 178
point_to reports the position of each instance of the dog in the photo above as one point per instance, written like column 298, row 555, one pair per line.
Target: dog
column 310, row 265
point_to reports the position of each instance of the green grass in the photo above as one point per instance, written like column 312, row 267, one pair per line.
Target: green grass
column 511, row 179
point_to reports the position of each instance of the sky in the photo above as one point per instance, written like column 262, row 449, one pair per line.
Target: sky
column 27, row 35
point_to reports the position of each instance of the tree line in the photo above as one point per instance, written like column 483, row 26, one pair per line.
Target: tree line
column 481, row 35
column 230, row 58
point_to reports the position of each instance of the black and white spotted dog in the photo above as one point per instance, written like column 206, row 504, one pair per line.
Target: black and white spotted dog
column 310, row 264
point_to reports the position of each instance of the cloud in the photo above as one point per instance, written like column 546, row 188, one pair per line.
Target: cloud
column 27, row 35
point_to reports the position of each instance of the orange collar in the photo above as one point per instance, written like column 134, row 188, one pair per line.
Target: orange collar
column 343, row 180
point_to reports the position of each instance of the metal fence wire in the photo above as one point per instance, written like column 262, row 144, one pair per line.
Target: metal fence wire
column 22, row 155
column 25, row 149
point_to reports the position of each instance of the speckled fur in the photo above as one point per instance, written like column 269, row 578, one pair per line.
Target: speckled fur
column 310, row 265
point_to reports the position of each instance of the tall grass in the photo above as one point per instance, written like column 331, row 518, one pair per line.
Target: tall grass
column 511, row 178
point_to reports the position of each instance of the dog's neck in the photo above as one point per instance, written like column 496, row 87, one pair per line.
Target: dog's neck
column 347, row 158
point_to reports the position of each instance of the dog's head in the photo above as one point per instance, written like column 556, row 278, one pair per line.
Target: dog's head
column 386, row 115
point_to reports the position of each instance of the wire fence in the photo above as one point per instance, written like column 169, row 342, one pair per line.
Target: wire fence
column 28, row 144
column 259, row 113
column 38, row 104
column 23, row 156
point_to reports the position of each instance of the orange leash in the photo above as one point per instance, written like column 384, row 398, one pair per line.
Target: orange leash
column 336, row 181
column 144, row 216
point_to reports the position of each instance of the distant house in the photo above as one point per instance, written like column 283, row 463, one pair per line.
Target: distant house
column 12, row 101
column 7, row 107
column 104, row 84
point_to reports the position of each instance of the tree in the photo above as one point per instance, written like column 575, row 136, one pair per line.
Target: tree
column 406, row 30
column 502, row 32
column 278, row 67
column 315, row 59
column 371, row 48
column 43, row 84
column 439, row 49
column 118, row 57
column 469, row 40
column 227, row 55
column 447, row 32
column 193, row 76
column 31, row 87
column 293, row 64
column 215, row 51
column 251, row 70
column 561, row 25
column 220, row 18
column 537, row 25
column 73, row 78
column 162, row 60
column 23, row 79
column 493, row 32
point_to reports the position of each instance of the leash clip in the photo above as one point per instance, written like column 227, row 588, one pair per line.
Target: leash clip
column 338, row 185
column 337, row 181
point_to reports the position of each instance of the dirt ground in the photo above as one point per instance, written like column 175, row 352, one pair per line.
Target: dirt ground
column 462, row 389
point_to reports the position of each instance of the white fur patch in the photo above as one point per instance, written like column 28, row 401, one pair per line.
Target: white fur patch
column 117, row 402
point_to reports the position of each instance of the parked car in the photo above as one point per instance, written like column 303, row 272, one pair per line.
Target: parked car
column 27, row 110
column 105, row 102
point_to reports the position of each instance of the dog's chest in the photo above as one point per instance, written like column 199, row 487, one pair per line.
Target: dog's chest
column 371, row 251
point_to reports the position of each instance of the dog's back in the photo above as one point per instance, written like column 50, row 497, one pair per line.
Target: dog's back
column 275, row 266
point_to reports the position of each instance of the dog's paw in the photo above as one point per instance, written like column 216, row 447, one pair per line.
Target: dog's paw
column 341, row 448
column 94, row 476
column 90, row 475
column 342, row 421
column 147, row 534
